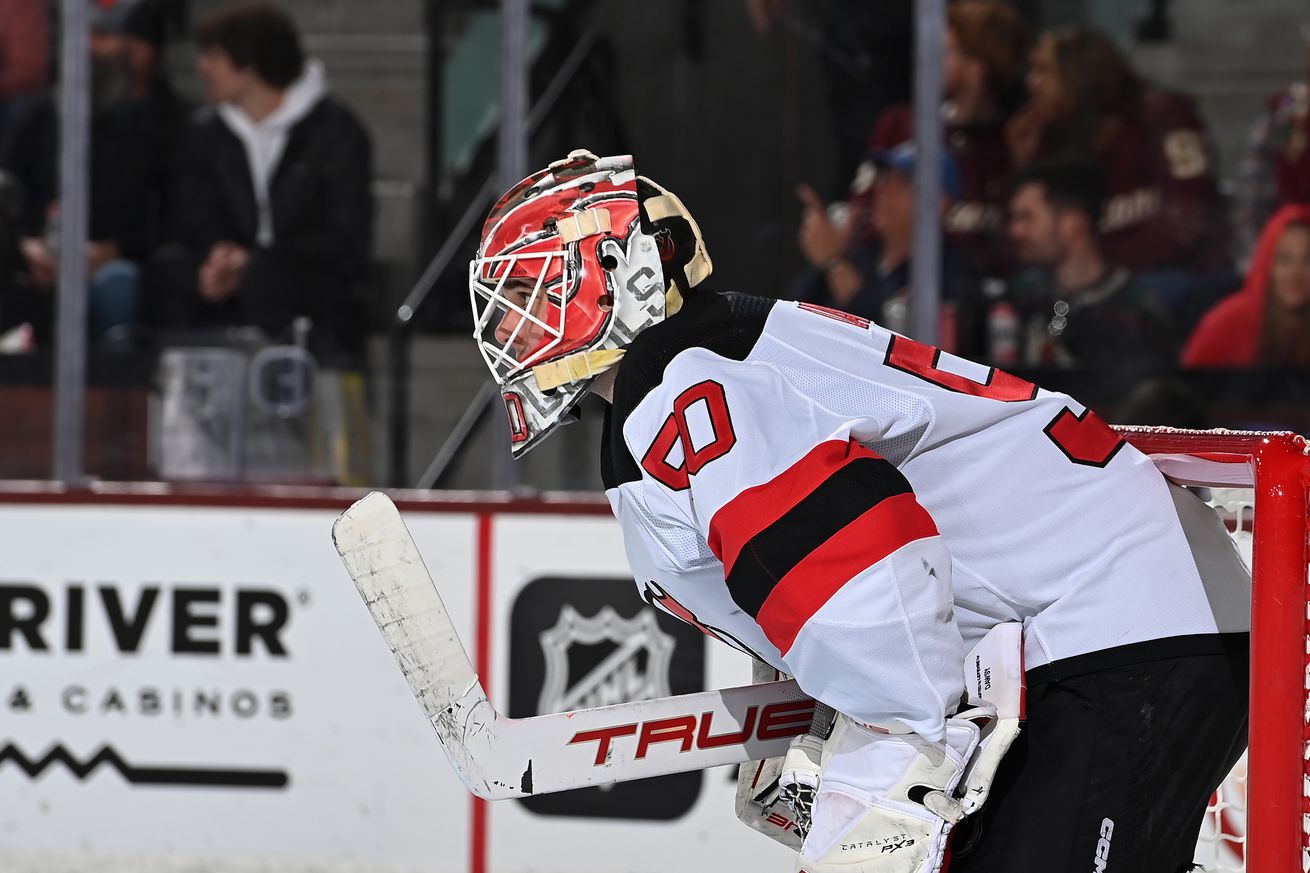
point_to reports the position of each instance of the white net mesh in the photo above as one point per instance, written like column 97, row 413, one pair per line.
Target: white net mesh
column 1221, row 845
column 1222, row 842
column 1259, row 823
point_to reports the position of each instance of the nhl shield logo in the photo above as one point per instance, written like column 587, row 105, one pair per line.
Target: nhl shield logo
column 576, row 643
column 603, row 659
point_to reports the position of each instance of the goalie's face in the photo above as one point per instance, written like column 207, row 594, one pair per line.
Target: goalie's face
column 520, row 301
column 521, row 319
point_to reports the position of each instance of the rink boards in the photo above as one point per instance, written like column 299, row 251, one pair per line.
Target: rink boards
column 191, row 682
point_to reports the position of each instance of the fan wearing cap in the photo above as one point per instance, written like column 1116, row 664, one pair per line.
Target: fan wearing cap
column 866, row 271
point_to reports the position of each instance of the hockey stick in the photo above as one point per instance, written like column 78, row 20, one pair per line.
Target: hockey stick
column 498, row 757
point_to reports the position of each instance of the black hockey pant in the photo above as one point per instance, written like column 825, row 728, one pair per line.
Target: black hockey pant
column 1128, row 756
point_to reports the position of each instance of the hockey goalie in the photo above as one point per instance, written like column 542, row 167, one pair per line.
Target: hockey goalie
column 859, row 511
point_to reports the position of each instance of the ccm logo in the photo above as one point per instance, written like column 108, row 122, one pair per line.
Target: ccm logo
column 1103, row 845
column 776, row 721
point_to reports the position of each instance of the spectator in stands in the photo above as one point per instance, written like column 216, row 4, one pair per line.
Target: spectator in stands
column 985, row 57
column 276, row 206
column 16, row 315
column 871, row 277
column 1275, row 171
column 24, row 52
column 865, row 52
column 1267, row 322
column 135, row 116
column 1163, row 215
column 1076, row 307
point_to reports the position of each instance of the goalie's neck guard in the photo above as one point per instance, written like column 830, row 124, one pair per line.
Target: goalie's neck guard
column 573, row 263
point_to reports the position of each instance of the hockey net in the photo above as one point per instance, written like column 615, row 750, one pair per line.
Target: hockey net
column 1259, row 819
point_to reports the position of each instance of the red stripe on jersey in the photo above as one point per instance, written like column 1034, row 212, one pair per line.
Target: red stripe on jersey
column 888, row 525
column 754, row 509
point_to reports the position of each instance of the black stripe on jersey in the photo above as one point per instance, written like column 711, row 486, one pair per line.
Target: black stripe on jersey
column 726, row 324
column 852, row 490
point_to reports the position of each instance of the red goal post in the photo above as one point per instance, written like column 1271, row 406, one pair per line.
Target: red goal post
column 1277, row 467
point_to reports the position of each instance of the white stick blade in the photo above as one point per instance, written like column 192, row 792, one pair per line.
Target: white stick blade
column 389, row 572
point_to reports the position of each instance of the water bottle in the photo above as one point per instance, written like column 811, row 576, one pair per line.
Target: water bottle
column 52, row 228
column 1003, row 334
column 896, row 314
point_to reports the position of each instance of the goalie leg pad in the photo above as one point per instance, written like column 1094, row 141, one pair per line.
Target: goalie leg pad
column 886, row 802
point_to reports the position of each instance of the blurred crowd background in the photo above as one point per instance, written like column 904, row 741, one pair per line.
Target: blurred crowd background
column 1125, row 209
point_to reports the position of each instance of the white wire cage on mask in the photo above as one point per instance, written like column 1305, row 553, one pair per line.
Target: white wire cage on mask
column 494, row 304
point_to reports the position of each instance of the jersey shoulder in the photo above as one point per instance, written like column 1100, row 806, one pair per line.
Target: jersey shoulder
column 725, row 323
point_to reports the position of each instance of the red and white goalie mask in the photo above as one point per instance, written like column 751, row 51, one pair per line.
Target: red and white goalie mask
column 571, row 267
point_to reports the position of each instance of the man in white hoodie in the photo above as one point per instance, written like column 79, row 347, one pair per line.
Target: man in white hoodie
column 275, row 202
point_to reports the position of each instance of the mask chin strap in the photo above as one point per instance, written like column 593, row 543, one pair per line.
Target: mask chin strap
column 577, row 367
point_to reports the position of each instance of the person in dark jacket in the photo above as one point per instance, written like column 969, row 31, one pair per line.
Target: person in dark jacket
column 136, row 117
column 1164, row 217
column 869, row 274
column 276, row 211
column 1077, row 307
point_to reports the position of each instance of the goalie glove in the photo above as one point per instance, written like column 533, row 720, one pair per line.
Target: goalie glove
column 994, row 673
column 887, row 801
column 798, row 783
column 995, row 678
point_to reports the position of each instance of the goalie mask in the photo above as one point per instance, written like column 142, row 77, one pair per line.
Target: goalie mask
column 574, row 262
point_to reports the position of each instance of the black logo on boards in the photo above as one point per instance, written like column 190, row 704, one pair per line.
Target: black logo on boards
column 133, row 774
column 581, row 643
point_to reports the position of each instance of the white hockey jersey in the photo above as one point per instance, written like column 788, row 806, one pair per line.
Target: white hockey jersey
column 858, row 509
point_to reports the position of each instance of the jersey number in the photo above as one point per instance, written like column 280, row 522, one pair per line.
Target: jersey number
column 675, row 432
column 1084, row 439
